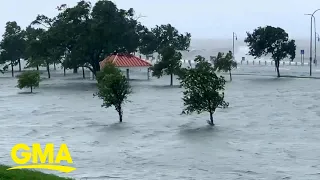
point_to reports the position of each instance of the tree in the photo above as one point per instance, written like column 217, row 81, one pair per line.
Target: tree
column 202, row 89
column 12, row 45
column 109, row 68
column 166, row 41
column 224, row 63
column 3, row 60
column 41, row 52
column 68, row 26
column 167, row 35
column 32, row 54
column 148, row 41
column 47, row 45
column 90, row 33
column 170, row 63
column 113, row 88
column 84, row 34
column 29, row 79
column 271, row 40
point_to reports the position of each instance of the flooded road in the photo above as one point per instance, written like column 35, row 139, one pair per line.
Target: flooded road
column 270, row 131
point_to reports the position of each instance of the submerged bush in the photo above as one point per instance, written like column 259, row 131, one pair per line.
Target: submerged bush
column 28, row 79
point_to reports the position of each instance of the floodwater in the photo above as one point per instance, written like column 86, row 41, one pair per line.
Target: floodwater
column 270, row 131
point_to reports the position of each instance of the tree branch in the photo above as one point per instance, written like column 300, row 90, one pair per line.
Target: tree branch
column 39, row 23
column 90, row 68
column 138, row 17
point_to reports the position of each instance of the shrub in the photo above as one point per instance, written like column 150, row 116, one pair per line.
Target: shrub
column 29, row 79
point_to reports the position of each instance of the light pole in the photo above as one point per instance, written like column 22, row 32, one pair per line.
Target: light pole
column 234, row 37
column 312, row 15
column 315, row 61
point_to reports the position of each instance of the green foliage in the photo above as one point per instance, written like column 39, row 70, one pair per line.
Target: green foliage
column 148, row 41
column 109, row 68
column 12, row 45
column 3, row 60
column 84, row 34
column 166, row 36
column 88, row 33
column 33, row 52
column 113, row 88
column 29, row 79
column 202, row 89
column 271, row 40
column 224, row 63
column 26, row 175
column 170, row 63
column 167, row 42
column 44, row 44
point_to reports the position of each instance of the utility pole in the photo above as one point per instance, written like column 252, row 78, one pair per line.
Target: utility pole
column 234, row 37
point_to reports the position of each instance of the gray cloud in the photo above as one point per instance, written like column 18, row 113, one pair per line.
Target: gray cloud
column 202, row 18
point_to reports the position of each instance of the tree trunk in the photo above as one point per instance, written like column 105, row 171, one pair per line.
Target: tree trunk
column 171, row 80
column 119, row 109
column 211, row 118
column 64, row 71
column 48, row 69
column 95, row 65
column 94, row 73
column 277, row 67
column 37, row 68
column 19, row 65
column 83, row 74
column 12, row 69
column 54, row 66
column 91, row 70
column 31, row 89
column 75, row 70
column 230, row 75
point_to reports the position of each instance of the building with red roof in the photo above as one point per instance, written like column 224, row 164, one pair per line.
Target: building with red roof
column 125, row 61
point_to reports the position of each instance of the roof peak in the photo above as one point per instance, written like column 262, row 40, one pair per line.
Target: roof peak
column 125, row 60
column 122, row 54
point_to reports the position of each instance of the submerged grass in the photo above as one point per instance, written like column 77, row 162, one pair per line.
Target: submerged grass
column 26, row 175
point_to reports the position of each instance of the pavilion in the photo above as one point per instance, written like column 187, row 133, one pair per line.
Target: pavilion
column 126, row 61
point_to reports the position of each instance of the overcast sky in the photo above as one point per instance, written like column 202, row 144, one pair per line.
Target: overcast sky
column 202, row 18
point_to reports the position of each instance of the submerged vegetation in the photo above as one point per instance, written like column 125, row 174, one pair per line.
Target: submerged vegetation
column 83, row 35
column 113, row 88
column 29, row 79
column 203, row 89
column 225, row 63
column 271, row 40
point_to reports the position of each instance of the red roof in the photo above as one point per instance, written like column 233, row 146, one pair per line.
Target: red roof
column 125, row 60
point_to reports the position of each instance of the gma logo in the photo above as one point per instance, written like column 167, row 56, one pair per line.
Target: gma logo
column 35, row 158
